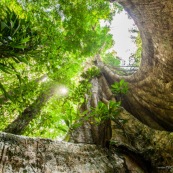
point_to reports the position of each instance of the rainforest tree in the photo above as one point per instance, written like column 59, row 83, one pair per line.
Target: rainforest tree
column 99, row 112
column 52, row 62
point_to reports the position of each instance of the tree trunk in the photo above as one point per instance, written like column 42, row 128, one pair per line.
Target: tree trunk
column 141, row 147
column 130, row 146
column 89, row 132
column 21, row 122
column 150, row 96
column 21, row 154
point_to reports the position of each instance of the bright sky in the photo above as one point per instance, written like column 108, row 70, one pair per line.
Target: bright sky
column 124, row 46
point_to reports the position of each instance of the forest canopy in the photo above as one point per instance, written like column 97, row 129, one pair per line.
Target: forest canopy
column 46, row 54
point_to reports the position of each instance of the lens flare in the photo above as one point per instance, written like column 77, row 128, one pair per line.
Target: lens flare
column 63, row 90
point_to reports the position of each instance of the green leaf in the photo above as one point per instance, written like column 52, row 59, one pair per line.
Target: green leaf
column 25, row 40
column 70, row 118
column 5, row 92
column 18, row 46
column 23, row 59
column 3, row 25
column 62, row 128
column 16, row 59
column 67, row 122
column 121, row 82
column 5, row 69
column 120, row 87
column 76, row 125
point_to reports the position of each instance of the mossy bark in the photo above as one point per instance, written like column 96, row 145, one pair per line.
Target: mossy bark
column 27, row 155
column 141, row 147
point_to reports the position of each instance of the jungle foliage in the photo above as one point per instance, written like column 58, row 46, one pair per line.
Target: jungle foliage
column 43, row 48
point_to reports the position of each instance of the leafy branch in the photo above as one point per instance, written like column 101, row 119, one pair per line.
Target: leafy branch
column 120, row 87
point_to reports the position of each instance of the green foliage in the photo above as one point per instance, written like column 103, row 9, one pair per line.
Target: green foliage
column 138, row 53
column 62, row 46
column 91, row 73
column 136, row 57
column 61, row 114
column 17, row 35
column 53, row 38
column 77, row 92
column 120, row 87
column 105, row 111
column 118, row 7
column 111, row 59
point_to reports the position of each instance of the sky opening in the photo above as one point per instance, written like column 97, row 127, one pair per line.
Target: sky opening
column 120, row 29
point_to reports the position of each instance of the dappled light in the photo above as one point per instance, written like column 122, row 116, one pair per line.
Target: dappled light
column 45, row 79
column 51, row 81
column 83, row 89
column 61, row 91
column 42, row 57
column 43, row 73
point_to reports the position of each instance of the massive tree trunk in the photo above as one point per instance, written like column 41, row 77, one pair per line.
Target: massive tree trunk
column 142, row 148
column 127, row 144
column 150, row 96
column 20, row 154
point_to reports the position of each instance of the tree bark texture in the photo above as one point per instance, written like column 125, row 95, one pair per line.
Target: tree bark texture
column 89, row 132
column 150, row 96
column 141, row 147
column 22, row 154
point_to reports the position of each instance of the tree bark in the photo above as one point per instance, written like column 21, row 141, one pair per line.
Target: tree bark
column 89, row 132
column 150, row 96
column 131, row 146
column 22, row 154
column 136, row 143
